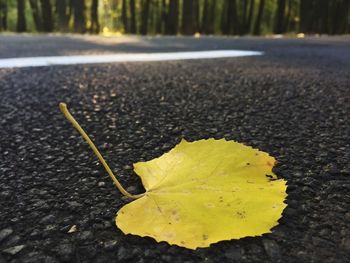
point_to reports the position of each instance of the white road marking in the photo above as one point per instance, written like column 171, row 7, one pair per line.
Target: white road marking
column 110, row 58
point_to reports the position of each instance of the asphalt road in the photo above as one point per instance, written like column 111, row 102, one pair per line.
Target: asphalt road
column 293, row 102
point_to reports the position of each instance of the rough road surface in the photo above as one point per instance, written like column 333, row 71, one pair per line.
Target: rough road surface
column 293, row 102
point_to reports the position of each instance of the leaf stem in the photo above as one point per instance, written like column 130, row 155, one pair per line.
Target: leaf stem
column 70, row 118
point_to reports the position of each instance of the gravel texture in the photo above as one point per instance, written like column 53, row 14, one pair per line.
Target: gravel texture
column 58, row 205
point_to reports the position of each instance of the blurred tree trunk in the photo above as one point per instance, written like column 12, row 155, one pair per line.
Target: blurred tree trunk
column 197, row 22
column 324, row 21
column 133, row 17
column 235, row 25
column 63, row 9
column 257, row 26
column 345, row 17
column 46, row 12
column 306, row 7
column 164, row 16
column 21, row 18
column 319, row 17
column 226, row 17
column 79, row 16
column 125, row 16
column 161, row 18
column 223, row 25
column 340, row 17
column 244, row 17
column 208, row 19
column 95, row 25
column 334, row 13
column 34, row 5
column 153, row 16
column 3, row 15
column 188, row 17
column 144, row 16
column 279, row 20
column 172, row 18
column 205, row 16
column 70, row 11
column 248, row 25
column 212, row 14
column 229, row 22
column 287, row 16
column 114, row 14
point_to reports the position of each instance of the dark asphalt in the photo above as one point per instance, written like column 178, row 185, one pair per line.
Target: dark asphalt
column 293, row 102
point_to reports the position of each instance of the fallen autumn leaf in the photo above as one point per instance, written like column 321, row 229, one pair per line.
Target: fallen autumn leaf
column 201, row 192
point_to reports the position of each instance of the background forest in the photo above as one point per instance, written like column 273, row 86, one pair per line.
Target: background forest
column 171, row 17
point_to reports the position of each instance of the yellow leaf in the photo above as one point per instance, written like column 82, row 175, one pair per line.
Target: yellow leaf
column 200, row 193
column 203, row 192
